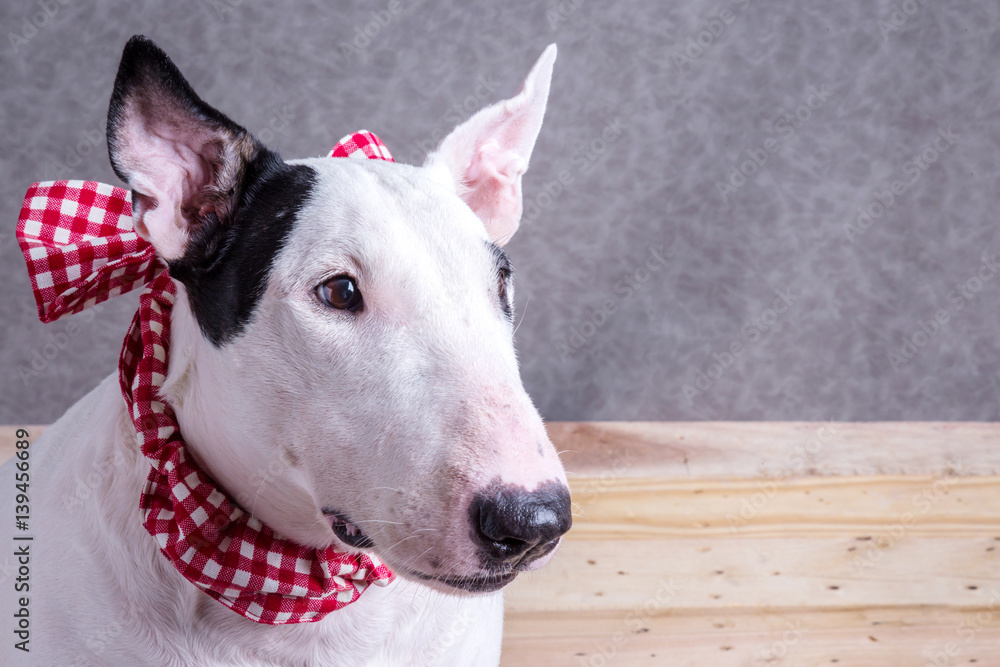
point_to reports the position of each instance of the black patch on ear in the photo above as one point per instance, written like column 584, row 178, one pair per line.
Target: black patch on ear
column 146, row 71
column 241, row 221
column 225, row 267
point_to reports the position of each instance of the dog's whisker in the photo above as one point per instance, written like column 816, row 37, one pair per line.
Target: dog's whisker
column 319, row 521
column 524, row 311
column 503, row 239
column 407, row 563
column 395, row 523
column 398, row 542
column 259, row 488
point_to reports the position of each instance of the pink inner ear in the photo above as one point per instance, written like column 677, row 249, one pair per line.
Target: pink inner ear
column 493, row 188
column 485, row 157
column 170, row 165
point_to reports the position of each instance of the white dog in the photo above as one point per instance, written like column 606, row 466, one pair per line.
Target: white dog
column 341, row 363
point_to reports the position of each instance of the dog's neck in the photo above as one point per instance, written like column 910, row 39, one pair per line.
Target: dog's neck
column 224, row 434
column 194, row 365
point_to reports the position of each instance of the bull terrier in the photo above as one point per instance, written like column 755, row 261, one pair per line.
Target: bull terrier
column 341, row 365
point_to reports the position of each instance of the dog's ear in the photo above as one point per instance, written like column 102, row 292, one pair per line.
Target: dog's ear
column 185, row 162
column 485, row 157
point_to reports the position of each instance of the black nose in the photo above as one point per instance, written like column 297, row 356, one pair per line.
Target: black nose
column 514, row 526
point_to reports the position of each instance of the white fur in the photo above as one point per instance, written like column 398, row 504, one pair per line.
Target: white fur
column 396, row 416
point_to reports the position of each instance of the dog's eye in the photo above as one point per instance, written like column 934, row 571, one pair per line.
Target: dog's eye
column 340, row 292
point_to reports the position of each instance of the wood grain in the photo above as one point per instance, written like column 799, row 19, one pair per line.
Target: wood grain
column 753, row 450
column 746, row 575
column 871, row 637
column 651, row 508
column 736, row 544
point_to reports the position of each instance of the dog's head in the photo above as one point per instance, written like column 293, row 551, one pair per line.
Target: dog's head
column 342, row 358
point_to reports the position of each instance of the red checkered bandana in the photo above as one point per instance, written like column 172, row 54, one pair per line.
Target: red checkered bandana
column 81, row 249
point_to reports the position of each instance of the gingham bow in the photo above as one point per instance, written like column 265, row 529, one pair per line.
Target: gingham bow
column 81, row 249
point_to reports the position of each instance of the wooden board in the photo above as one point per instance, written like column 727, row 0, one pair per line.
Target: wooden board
column 746, row 575
column 647, row 508
column 868, row 637
column 718, row 601
column 752, row 450
column 745, row 544
column 717, row 545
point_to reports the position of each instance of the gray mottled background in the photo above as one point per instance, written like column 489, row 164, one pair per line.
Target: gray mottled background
column 653, row 107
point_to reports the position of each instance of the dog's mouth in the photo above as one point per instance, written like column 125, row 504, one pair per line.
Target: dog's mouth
column 482, row 583
column 490, row 581
column 347, row 532
column 479, row 584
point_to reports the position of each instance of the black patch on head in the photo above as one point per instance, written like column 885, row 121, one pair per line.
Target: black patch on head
column 505, row 275
column 225, row 267
column 242, row 217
